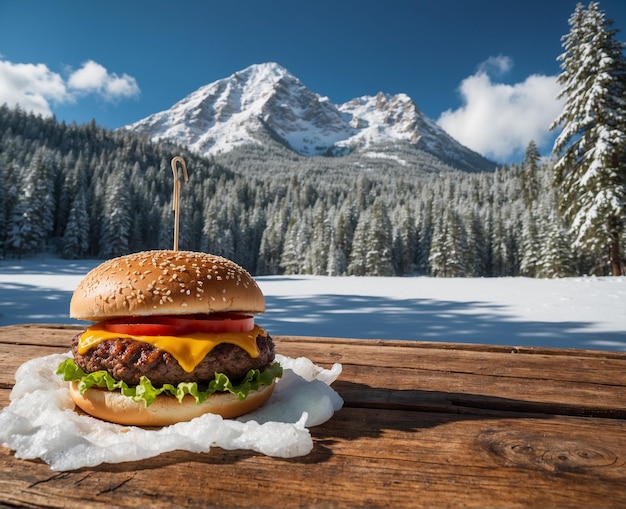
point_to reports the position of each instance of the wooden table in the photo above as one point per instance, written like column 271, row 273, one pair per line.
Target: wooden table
column 424, row 425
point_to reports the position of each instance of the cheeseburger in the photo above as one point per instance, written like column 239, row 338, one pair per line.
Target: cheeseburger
column 174, row 338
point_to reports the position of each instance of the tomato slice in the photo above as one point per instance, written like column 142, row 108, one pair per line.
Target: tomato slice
column 171, row 325
column 223, row 322
column 144, row 329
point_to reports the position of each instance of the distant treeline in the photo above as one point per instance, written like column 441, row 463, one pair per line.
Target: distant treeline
column 83, row 191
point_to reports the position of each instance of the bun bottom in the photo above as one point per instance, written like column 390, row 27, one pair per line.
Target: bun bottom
column 112, row 406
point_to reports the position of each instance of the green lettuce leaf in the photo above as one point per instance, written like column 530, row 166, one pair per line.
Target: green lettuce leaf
column 146, row 393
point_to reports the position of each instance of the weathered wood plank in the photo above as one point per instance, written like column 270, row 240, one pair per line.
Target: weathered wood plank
column 14, row 356
column 404, row 376
column 477, row 347
column 44, row 333
column 406, row 388
column 363, row 458
column 424, row 425
column 544, row 366
column 576, row 365
column 38, row 334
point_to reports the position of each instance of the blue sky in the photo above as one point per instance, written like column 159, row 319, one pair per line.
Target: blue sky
column 485, row 69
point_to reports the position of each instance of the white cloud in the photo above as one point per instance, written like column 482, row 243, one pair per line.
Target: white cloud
column 32, row 86
column 94, row 78
column 496, row 65
column 35, row 88
column 499, row 120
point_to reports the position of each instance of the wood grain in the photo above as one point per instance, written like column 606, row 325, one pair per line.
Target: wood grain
column 423, row 425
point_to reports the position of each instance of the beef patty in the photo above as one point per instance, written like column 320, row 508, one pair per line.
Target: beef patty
column 126, row 359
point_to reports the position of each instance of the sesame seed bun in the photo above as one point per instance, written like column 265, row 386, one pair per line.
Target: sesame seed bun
column 112, row 406
column 165, row 282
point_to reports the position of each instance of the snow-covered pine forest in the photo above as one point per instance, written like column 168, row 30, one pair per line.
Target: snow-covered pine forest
column 84, row 191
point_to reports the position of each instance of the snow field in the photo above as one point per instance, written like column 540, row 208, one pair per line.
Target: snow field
column 581, row 312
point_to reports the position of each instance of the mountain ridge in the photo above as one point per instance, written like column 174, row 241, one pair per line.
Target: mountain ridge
column 265, row 98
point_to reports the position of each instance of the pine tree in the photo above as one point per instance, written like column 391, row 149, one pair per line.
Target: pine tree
column 271, row 246
column 556, row 258
column 405, row 241
column 378, row 260
column 291, row 261
column 317, row 241
column 116, row 227
column 498, row 245
column 381, row 222
column 476, row 255
column 449, row 246
column 166, row 236
column 528, row 175
column 357, row 264
column 75, row 243
column 344, row 226
column 591, row 170
column 530, row 245
column 218, row 237
column 336, row 257
column 438, row 255
column 425, row 228
column 32, row 219
column 3, row 205
column 10, row 185
column 251, row 227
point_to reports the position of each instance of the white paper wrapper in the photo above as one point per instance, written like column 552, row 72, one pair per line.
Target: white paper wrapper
column 41, row 422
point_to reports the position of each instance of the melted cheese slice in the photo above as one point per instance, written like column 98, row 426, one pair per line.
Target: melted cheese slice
column 188, row 350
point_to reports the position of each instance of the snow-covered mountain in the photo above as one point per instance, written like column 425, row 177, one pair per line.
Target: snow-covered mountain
column 265, row 99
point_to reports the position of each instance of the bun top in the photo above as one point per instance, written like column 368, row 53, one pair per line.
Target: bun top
column 165, row 282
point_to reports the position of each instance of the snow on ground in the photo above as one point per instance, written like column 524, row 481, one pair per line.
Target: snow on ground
column 585, row 312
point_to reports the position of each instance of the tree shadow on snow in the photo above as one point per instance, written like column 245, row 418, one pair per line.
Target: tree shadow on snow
column 24, row 303
column 52, row 266
column 368, row 317
column 355, row 316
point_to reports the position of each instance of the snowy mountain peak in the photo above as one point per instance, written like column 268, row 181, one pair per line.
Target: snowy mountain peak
column 227, row 113
column 382, row 119
column 265, row 99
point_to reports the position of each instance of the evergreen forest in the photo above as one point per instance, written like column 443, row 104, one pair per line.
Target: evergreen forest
column 83, row 191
